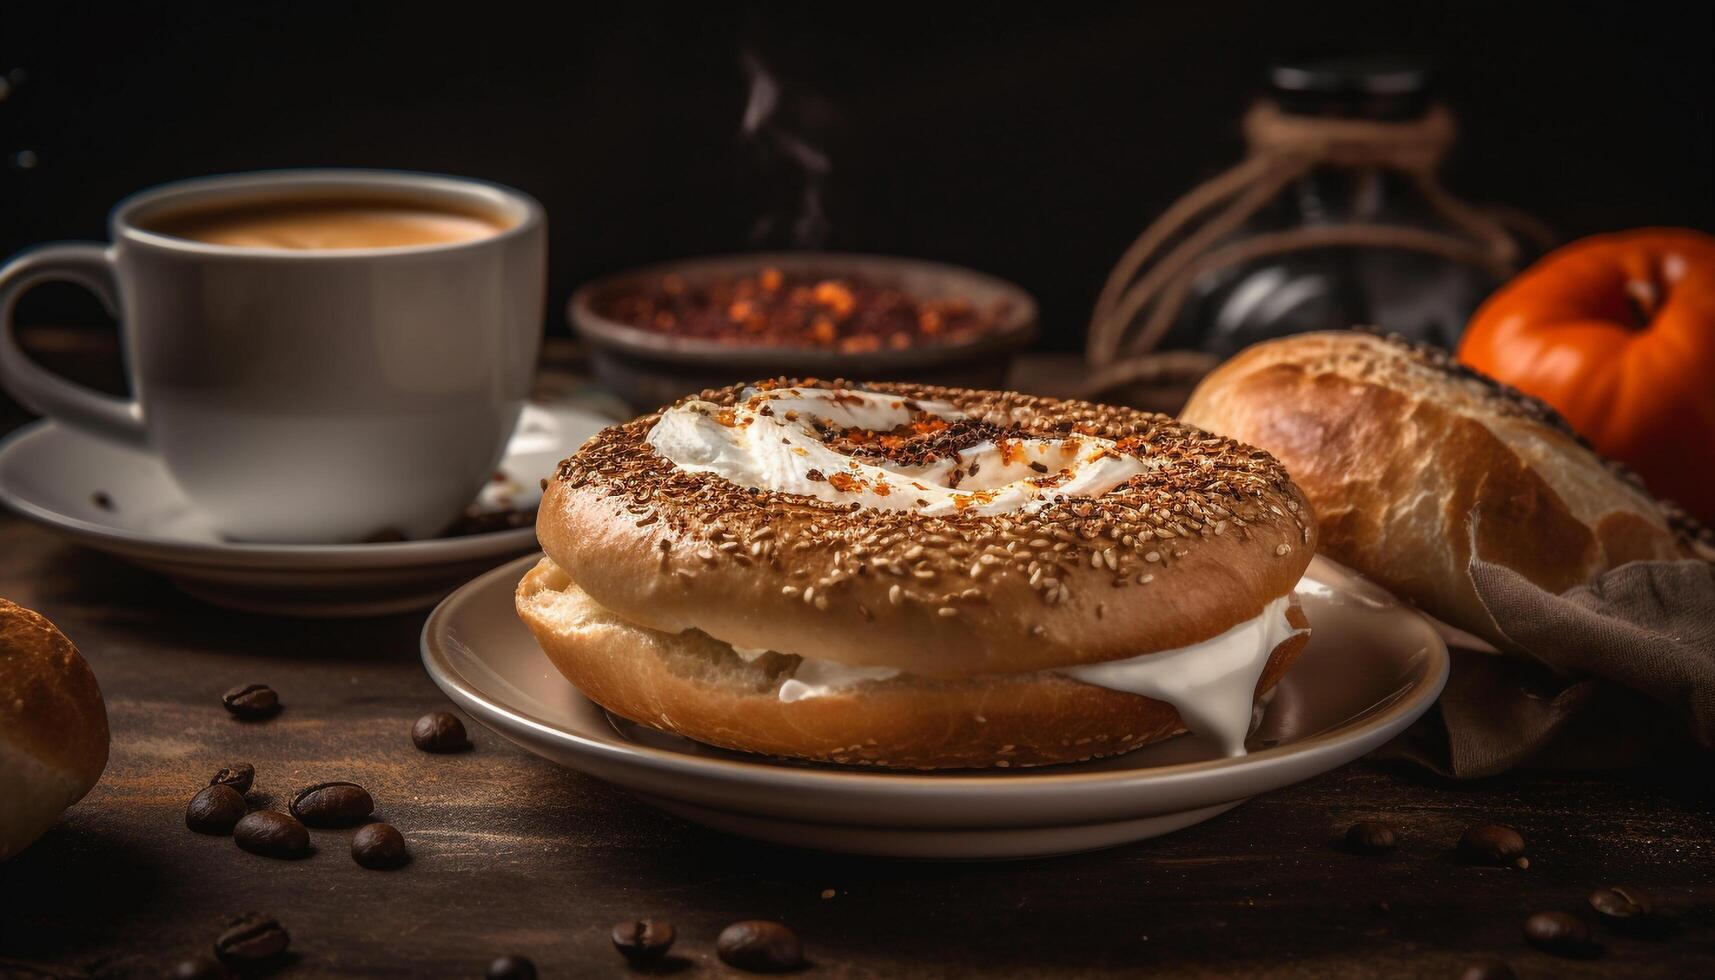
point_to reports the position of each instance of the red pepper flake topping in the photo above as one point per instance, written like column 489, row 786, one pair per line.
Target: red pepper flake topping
column 845, row 483
column 780, row 309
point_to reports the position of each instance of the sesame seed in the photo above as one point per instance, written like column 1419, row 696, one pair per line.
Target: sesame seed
column 946, row 612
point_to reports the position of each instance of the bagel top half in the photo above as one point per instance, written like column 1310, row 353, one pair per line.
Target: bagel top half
column 946, row 532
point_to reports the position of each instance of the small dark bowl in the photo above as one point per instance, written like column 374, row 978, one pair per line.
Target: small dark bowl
column 650, row 369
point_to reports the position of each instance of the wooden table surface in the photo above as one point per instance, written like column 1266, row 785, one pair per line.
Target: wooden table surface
column 514, row 855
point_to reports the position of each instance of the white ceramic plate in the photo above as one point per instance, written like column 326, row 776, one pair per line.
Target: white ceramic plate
column 1372, row 667
column 52, row 474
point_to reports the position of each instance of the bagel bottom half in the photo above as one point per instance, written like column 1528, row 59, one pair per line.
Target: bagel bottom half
column 693, row 685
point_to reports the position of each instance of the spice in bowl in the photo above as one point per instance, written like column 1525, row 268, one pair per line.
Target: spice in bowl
column 774, row 308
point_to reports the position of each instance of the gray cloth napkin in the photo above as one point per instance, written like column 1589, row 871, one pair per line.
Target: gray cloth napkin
column 1615, row 667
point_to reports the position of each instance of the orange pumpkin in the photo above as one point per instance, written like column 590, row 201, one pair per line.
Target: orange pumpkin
column 1618, row 333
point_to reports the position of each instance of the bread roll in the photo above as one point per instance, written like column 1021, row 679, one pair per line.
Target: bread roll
column 1412, row 462
column 53, row 727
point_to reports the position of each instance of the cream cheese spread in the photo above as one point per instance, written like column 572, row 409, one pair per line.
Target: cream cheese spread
column 769, row 440
column 1211, row 684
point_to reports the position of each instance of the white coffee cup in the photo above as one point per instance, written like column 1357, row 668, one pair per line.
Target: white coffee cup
column 303, row 394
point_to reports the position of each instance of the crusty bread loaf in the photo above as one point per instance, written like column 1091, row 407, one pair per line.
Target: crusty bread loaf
column 692, row 685
column 1411, row 461
column 53, row 727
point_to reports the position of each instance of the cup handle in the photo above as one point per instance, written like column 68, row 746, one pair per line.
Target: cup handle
column 88, row 265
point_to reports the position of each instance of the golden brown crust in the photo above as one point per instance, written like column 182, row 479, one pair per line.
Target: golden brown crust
column 50, row 706
column 53, row 725
column 1213, row 533
column 694, row 686
column 1403, row 453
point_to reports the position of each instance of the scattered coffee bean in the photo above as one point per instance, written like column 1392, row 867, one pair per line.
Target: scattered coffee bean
column 643, row 939
column 379, row 846
column 251, row 702
column 512, row 968
column 251, row 940
column 201, row 968
column 1371, row 837
column 335, row 804
column 760, row 946
column 215, row 809
column 1489, row 968
column 439, row 731
column 1559, row 933
column 240, row 776
column 1492, row 844
column 1621, row 902
column 271, row 833
column 1628, row 909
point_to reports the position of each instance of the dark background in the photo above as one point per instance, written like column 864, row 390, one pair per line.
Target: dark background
column 1032, row 142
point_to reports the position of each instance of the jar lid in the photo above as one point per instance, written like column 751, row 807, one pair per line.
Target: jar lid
column 1368, row 86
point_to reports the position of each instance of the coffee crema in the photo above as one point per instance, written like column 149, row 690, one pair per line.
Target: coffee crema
column 318, row 225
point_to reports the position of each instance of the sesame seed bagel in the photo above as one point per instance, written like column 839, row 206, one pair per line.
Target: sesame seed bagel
column 903, row 554
column 909, row 576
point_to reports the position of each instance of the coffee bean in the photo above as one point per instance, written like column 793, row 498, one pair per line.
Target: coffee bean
column 251, row 940
column 439, row 731
column 1492, row 844
column 215, row 809
column 271, row 833
column 239, row 775
column 251, row 702
column 335, row 804
column 1630, row 910
column 201, row 968
column 760, row 946
column 1371, row 837
column 1560, row 933
column 1621, row 902
column 512, row 968
column 379, row 846
column 1489, row 968
column 643, row 939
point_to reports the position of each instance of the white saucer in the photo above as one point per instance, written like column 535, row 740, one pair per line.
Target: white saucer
column 1372, row 667
column 52, row 474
